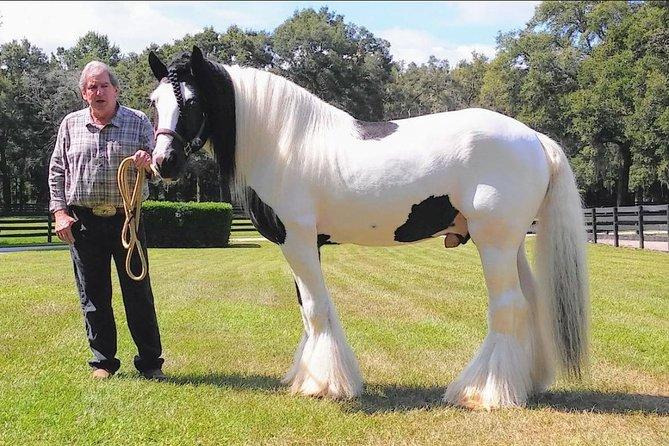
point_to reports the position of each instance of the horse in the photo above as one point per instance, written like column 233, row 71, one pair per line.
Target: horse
column 309, row 173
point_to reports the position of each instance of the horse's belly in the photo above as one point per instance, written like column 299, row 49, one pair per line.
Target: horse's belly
column 390, row 222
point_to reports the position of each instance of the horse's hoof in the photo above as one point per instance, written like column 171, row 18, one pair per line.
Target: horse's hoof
column 474, row 401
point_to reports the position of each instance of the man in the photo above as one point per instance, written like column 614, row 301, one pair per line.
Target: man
column 88, row 211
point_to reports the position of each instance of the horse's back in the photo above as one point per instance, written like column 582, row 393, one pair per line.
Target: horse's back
column 433, row 166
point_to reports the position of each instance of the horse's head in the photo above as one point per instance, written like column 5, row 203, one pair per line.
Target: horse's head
column 181, row 122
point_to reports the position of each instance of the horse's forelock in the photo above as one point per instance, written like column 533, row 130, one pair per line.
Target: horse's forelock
column 182, row 67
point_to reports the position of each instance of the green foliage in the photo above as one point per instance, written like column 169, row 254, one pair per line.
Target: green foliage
column 468, row 80
column 170, row 224
column 343, row 64
column 33, row 100
column 92, row 46
column 621, row 106
column 420, row 90
column 593, row 75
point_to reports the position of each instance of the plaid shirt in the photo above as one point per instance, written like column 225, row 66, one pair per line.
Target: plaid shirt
column 85, row 160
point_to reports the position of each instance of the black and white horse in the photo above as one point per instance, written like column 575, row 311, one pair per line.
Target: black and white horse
column 311, row 173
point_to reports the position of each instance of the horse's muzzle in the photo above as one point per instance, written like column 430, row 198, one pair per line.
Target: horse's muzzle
column 171, row 165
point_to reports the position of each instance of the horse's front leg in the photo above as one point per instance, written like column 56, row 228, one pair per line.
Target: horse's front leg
column 324, row 364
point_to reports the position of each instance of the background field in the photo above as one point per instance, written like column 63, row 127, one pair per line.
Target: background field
column 229, row 319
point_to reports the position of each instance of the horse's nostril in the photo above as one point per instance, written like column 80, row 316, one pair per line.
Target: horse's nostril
column 158, row 159
column 169, row 167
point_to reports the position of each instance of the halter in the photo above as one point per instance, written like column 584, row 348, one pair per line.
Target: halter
column 197, row 142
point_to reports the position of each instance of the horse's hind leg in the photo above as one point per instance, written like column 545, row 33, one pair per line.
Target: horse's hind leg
column 324, row 364
column 542, row 370
column 499, row 375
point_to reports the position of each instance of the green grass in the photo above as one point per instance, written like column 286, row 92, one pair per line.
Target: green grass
column 229, row 322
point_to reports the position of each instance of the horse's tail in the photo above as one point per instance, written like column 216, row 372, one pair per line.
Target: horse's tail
column 561, row 262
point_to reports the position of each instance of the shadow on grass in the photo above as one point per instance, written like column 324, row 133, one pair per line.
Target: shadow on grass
column 601, row 402
column 379, row 399
column 235, row 381
column 243, row 245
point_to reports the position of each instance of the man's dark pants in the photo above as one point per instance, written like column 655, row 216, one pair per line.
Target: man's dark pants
column 97, row 241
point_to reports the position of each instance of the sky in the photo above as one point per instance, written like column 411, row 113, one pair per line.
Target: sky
column 415, row 30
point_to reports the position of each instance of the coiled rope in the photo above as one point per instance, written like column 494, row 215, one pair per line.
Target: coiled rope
column 132, row 205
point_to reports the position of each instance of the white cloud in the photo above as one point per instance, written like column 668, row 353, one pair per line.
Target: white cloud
column 500, row 13
column 134, row 25
column 417, row 46
column 130, row 25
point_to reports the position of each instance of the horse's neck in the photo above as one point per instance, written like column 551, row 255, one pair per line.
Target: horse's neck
column 279, row 122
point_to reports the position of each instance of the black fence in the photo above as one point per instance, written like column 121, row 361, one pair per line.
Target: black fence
column 604, row 224
column 27, row 227
column 638, row 223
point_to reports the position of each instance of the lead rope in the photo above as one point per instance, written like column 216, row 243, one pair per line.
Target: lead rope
column 132, row 205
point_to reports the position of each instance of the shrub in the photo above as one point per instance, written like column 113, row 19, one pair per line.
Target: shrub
column 186, row 225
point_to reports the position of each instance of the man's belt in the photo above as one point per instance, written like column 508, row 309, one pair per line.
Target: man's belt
column 106, row 210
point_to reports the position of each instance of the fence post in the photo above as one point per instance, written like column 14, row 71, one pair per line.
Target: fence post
column 641, row 226
column 615, row 226
column 48, row 231
column 594, row 225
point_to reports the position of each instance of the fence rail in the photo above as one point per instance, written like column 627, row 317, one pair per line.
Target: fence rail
column 27, row 226
column 639, row 223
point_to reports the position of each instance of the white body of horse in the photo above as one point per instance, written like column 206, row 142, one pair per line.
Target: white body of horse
column 319, row 172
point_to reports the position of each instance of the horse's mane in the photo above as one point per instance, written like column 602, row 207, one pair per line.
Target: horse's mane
column 218, row 94
column 282, row 123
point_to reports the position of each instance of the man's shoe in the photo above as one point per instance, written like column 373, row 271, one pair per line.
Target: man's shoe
column 102, row 374
column 154, row 374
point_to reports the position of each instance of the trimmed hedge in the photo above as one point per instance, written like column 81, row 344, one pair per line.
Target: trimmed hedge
column 186, row 225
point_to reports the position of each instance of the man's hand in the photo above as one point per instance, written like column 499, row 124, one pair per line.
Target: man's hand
column 142, row 160
column 64, row 226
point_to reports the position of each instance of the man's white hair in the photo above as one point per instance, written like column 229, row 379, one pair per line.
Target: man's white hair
column 96, row 66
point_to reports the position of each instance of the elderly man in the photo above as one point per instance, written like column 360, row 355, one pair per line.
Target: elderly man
column 88, row 212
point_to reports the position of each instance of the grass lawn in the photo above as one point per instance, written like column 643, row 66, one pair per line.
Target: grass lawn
column 230, row 322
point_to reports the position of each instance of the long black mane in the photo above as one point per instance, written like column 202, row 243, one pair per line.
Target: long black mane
column 215, row 89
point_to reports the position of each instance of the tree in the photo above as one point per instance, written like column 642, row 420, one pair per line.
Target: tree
column 341, row 63
column 468, row 80
column 19, row 126
column 420, row 90
column 621, row 110
column 34, row 98
column 92, row 46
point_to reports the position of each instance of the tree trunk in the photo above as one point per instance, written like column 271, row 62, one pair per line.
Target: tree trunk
column 623, row 196
column 197, row 188
column 4, row 175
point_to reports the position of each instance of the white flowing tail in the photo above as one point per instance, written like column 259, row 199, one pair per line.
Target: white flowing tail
column 561, row 263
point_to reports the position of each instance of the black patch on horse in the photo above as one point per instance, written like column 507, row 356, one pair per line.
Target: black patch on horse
column 264, row 219
column 375, row 130
column 428, row 217
column 323, row 239
column 299, row 296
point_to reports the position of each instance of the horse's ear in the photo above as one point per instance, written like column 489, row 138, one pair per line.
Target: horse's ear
column 198, row 64
column 157, row 67
column 200, row 68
